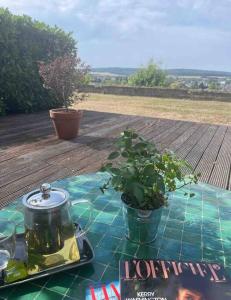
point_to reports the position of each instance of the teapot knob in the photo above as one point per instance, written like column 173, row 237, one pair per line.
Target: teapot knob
column 45, row 189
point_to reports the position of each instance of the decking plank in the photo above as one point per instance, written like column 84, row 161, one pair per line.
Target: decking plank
column 179, row 142
column 195, row 154
column 31, row 154
column 221, row 172
column 175, row 135
column 162, row 139
column 93, row 148
column 208, row 159
column 191, row 141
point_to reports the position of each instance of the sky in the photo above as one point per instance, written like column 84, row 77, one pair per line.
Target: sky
column 128, row 33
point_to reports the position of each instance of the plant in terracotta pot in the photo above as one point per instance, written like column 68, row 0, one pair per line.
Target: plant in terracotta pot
column 63, row 77
column 145, row 177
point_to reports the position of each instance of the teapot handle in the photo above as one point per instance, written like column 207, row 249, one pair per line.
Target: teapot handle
column 87, row 221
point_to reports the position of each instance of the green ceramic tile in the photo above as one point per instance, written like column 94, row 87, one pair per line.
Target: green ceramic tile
column 60, row 283
column 118, row 221
column 110, row 274
column 190, row 229
column 102, row 255
column 127, row 247
column 26, row 291
column 166, row 211
column 161, row 228
column 146, row 252
column 78, row 288
column 172, row 233
column 157, row 242
column 78, row 211
column 169, row 255
column 113, row 209
column 91, row 214
column 41, row 281
column 210, row 233
column 115, row 259
column 212, row 243
column 194, row 210
column 192, row 217
column 227, row 248
column 99, row 228
column 177, row 215
column 94, row 238
column 172, row 223
column 191, row 252
column 116, row 231
column 192, row 226
column 227, row 261
column 225, row 224
column 4, row 293
column 104, row 217
column 92, row 271
column 48, row 295
column 169, row 245
column 211, row 255
column 191, row 238
column 100, row 203
column 109, row 242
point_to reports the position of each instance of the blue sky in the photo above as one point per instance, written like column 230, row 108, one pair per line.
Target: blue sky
column 127, row 33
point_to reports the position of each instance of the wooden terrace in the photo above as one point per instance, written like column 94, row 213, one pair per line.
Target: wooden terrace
column 31, row 154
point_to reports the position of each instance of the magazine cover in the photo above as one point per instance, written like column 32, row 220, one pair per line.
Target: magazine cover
column 101, row 291
column 172, row 280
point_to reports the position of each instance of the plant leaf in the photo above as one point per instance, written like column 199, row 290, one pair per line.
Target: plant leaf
column 138, row 192
column 113, row 155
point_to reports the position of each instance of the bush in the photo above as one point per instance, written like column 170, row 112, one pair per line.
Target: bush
column 149, row 76
column 24, row 42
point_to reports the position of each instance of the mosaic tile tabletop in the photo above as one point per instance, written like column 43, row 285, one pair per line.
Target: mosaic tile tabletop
column 196, row 229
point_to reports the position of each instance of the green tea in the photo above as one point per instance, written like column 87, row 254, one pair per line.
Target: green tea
column 49, row 248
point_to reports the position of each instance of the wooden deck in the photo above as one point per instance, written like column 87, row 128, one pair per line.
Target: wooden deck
column 30, row 153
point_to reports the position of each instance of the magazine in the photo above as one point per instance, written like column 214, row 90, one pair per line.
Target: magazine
column 173, row 280
column 101, row 291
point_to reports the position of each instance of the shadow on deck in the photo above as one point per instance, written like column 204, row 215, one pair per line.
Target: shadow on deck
column 30, row 153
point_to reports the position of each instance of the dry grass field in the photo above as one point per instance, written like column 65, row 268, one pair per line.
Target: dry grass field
column 214, row 112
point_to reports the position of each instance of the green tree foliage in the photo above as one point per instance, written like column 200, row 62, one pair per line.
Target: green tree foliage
column 213, row 85
column 23, row 43
column 149, row 76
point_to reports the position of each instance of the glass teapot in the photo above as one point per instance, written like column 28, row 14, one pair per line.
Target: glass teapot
column 50, row 232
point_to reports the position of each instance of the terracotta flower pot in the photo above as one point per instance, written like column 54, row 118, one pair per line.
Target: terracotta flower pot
column 66, row 122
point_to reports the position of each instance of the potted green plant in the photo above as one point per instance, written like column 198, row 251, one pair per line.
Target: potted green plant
column 63, row 77
column 145, row 177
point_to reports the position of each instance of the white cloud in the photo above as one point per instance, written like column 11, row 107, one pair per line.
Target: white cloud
column 125, row 15
column 178, row 32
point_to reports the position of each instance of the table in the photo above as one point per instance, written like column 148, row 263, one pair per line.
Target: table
column 196, row 229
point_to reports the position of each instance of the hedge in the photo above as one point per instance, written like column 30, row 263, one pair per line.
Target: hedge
column 24, row 42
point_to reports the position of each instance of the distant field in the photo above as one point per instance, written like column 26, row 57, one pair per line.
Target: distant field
column 199, row 111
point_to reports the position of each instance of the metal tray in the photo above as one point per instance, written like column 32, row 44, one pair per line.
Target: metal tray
column 85, row 250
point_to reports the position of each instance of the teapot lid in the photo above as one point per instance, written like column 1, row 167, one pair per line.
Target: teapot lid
column 45, row 198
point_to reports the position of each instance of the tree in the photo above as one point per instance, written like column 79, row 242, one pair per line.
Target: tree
column 177, row 85
column 64, row 76
column 149, row 76
column 213, row 85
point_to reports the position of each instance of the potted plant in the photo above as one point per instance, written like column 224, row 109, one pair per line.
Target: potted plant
column 145, row 177
column 63, row 77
